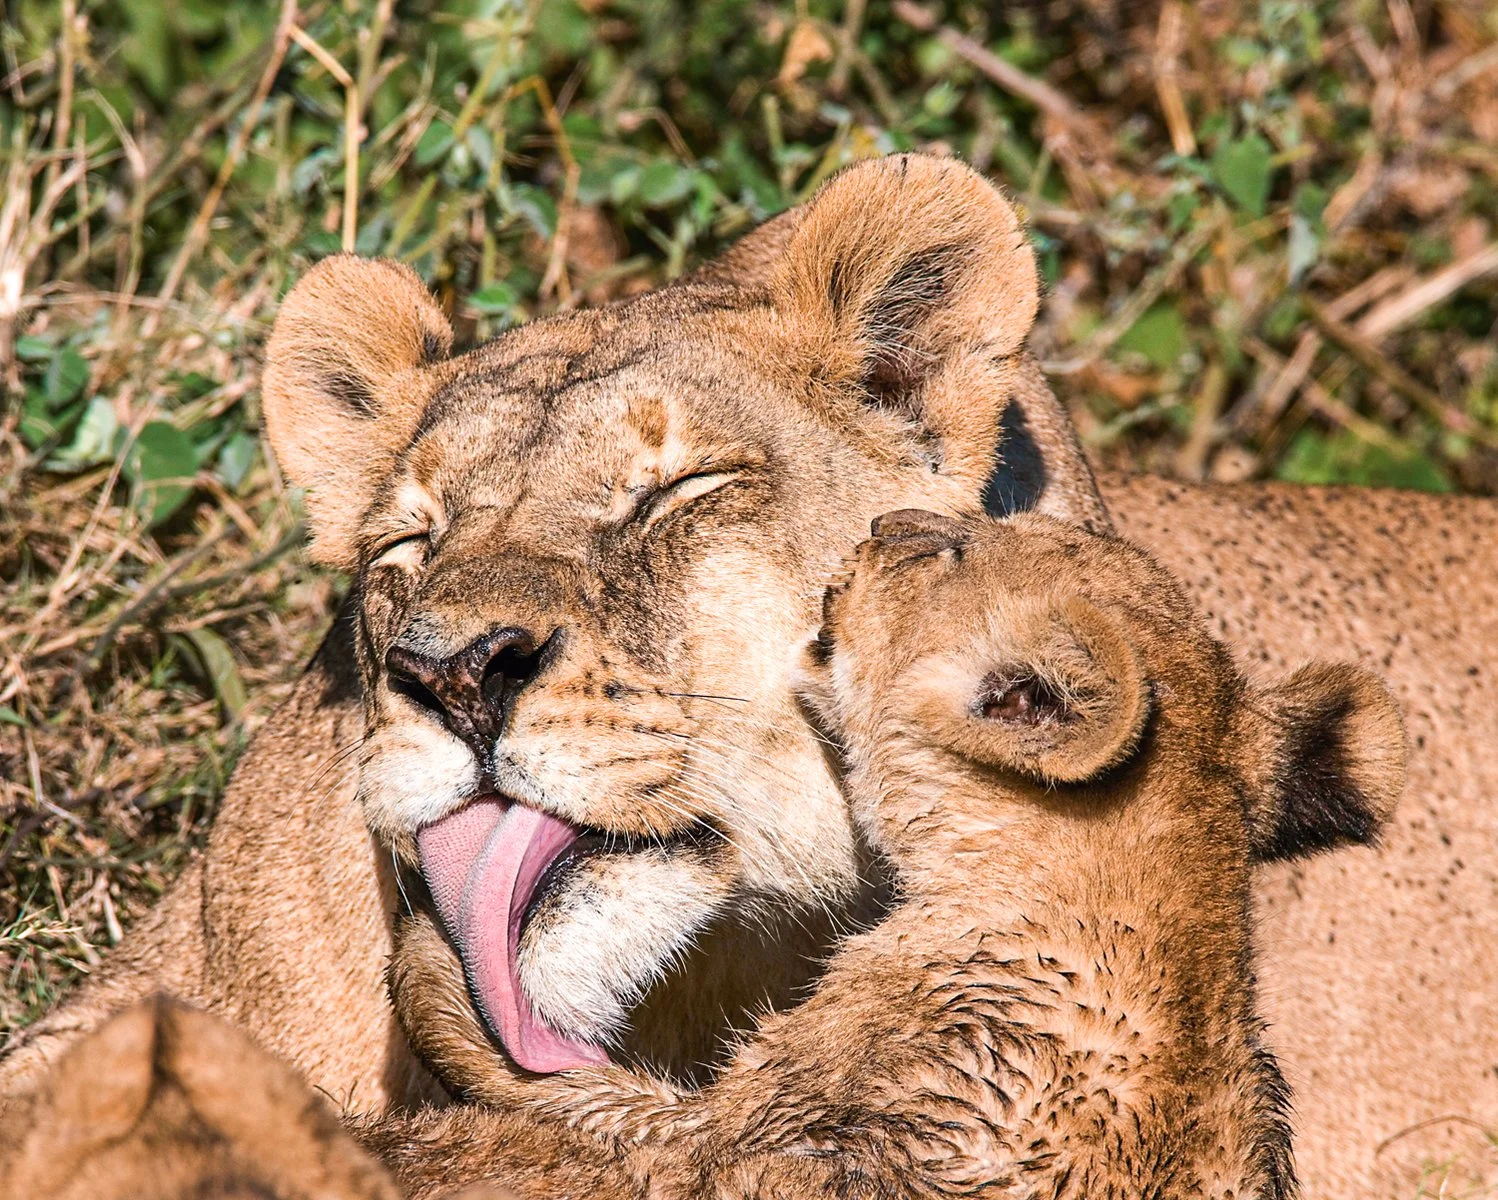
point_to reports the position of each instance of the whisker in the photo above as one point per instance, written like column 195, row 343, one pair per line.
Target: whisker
column 753, row 721
column 337, row 759
column 400, row 883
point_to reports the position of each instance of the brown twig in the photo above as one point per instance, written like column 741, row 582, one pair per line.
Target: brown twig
column 1038, row 92
column 1153, row 287
column 554, row 281
column 1169, row 38
column 1290, row 375
column 280, row 43
column 1191, row 460
column 353, row 112
column 1427, row 293
column 1367, row 356
column 370, row 42
column 847, row 43
column 152, row 597
column 1322, row 401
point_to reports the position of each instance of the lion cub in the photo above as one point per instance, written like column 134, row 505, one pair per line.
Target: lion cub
column 1071, row 783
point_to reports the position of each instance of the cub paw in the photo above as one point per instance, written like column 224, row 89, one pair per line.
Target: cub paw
column 892, row 569
column 872, row 607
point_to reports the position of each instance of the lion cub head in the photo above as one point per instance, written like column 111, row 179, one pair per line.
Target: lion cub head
column 975, row 667
column 583, row 555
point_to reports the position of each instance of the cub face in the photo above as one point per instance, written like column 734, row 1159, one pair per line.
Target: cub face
column 969, row 664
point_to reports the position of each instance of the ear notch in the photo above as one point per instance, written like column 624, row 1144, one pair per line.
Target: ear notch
column 1064, row 698
column 1323, row 754
column 347, row 377
column 900, row 269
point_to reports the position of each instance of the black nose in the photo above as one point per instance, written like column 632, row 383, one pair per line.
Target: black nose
column 472, row 691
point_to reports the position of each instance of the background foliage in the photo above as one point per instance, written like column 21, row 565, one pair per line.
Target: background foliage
column 1267, row 231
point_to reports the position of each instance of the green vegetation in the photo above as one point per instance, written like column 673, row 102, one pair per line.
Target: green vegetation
column 1268, row 232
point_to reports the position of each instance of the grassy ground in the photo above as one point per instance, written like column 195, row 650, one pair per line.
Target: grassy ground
column 1268, row 232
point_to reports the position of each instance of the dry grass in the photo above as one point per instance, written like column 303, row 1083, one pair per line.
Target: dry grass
column 1269, row 231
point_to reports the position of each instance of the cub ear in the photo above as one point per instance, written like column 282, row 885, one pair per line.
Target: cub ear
column 905, row 284
column 1061, row 695
column 346, row 381
column 1323, row 754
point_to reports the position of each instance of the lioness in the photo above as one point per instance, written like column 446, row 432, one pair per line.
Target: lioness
column 670, row 480
column 1072, row 783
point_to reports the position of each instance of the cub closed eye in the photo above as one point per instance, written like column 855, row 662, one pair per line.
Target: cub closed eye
column 1020, row 700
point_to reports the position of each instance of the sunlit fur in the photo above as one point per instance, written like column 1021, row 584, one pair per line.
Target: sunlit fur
column 585, row 477
column 1378, row 970
column 1061, row 1001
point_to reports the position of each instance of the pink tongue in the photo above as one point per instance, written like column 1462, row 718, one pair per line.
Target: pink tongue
column 482, row 864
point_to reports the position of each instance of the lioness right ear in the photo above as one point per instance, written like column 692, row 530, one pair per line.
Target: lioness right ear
column 907, row 286
column 345, row 384
column 1323, row 756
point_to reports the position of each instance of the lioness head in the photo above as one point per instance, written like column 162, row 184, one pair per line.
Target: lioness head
column 583, row 555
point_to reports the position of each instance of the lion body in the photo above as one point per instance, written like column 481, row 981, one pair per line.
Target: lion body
column 1378, row 979
column 1072, row 784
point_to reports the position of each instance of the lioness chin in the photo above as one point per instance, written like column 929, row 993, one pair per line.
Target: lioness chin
column 855, row 355
column 1072, row 784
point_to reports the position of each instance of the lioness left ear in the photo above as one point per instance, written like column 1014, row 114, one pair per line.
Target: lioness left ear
column 908, row 284
column 1323, row 755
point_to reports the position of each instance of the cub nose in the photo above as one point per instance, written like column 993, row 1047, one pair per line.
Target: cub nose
column 472, row 691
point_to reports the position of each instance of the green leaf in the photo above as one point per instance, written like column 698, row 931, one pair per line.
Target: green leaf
column 67, row 375
column 1343, row 457
column 10, row 716
column 434, row 142
column 34, row 349
column 161, row 465
column 218, row 664
column 494, row 300
column 933, row 57
column 563, row 28
column 663, row 183
column 40, row 424
column 1160, row 335
column 148, row 50
column 236, row 459
column 94, row 441
column 1284, row 317
column 941, row 100
column 534, row 204
column 1310, row 202
column 1242, row 169
column 1182, row 208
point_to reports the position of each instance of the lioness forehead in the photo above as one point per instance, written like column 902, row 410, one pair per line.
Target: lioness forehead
column 582, row 406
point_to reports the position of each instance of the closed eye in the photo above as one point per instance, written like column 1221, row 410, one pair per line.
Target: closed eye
column 409, row 552
column 681, row 492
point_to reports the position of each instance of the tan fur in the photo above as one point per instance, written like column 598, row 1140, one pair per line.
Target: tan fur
column 168, row 1102
column 1060, row 1003
column 1378, row 977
